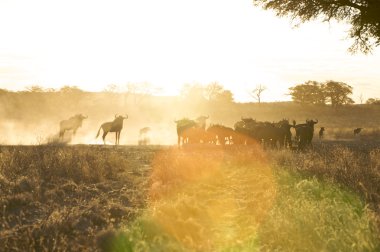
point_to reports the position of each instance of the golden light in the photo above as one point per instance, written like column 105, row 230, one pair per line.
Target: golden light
column 211, row 198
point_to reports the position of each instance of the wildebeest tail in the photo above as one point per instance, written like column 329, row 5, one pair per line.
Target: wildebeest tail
column 98, row 132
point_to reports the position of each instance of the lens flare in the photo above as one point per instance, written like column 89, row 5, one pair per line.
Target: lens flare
column 209, row 198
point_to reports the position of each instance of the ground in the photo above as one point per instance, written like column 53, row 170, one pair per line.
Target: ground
column 200, row 198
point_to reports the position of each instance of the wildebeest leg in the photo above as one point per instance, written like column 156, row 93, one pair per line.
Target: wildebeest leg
column 61, row 133
column 104, row 137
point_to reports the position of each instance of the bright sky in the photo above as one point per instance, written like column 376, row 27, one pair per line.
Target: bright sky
column 92, row 44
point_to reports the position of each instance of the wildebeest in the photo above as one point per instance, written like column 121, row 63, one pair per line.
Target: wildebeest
column 144, row 136
column 219, row 134
column 73, row 123
column 274, row 134
column 115, row 126
column 191, row 131
column 245, row 131
column 304, row 133
column 201, row 122
column 321, row 131
column 357, row 131
column 183, row 126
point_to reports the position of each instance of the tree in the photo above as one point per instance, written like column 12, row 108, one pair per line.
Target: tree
column 361, row 98
column 70, row 89
column 212, row 91
column 256, row 93
column 35, row 89
column 311, row 92
column 373, row 101
column 112, row 88
column 337, row 93
column 363, row 16
column 226, row 96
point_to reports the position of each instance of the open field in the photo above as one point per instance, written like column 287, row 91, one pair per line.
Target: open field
column 202, row 198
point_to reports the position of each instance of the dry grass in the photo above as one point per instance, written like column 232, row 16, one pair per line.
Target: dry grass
column 206, row 198
column 60, row 198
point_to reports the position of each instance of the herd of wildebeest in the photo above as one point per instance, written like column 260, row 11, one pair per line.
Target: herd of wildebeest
column 245, row 132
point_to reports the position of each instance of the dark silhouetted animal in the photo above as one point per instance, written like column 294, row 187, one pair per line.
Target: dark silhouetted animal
column 114, row 126
column 183, row 127
column 191, row 131
column 219, row 134
column 357, row 131
column 73, row 123
column 321, row 132
column 305, row 133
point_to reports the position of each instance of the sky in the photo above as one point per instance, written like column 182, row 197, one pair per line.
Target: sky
column 167, row 43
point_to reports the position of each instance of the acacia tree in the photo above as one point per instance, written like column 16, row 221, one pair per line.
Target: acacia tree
column 313, row 92
column 337, row 93
column 363, row 15
column 310, row 92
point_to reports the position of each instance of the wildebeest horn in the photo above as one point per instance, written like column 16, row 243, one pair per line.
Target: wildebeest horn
column 85, row 117
column 127, row 116
column 316, row 121
column 115, row 115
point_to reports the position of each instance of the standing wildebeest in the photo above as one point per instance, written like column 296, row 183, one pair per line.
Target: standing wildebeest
column 114, row 126
column 304, row 133
column 321, row 131
column 191, row 131
column 183, row 127
column 219, row 134
column 73, row 123
column 357, row 131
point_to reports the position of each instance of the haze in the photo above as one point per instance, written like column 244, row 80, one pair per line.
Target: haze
column 167, row 43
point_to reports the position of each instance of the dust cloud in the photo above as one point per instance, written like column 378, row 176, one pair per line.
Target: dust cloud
column 31, row 118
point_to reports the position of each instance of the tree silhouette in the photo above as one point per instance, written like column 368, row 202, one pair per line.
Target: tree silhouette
column 374, row 101
column 256, row 93
column 337, row 93
column 70, row 89
column 363, row 15
column 311, row 92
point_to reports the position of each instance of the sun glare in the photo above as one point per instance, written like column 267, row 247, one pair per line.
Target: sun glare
column 92, row 44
